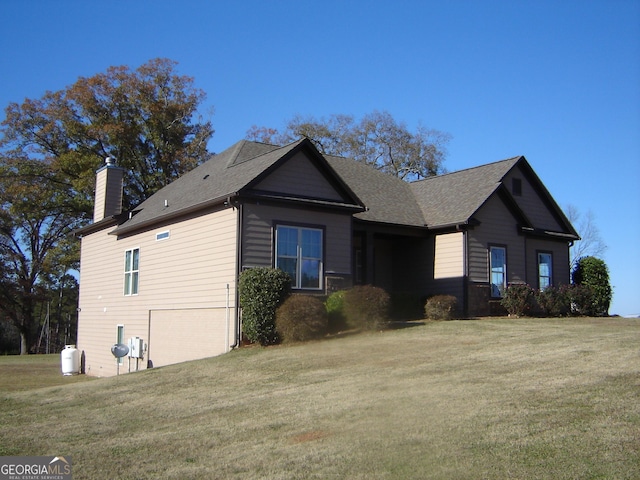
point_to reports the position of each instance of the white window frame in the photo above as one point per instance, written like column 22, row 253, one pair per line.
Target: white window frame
column 131, row 274
column 301, row 256
column 160, row 236
column 497, row 290
column 545, row 281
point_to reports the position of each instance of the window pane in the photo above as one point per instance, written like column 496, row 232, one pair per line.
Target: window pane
column 127, row 284
column 497, row 259
column 310, row 274
column 498, row 271
column 311, row 243
column 544, row 270
column 134, row 283
column 127, row 261
column 289, row 265
column 136, row 258
column 545, row 282
column 287, row 241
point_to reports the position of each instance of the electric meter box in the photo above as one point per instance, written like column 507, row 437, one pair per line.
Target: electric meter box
column 136, row 347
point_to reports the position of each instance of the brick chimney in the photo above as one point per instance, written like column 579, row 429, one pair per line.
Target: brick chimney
column 108, row 200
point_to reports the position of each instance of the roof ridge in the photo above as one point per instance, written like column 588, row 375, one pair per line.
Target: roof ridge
column 518, row 157
column 242, row 145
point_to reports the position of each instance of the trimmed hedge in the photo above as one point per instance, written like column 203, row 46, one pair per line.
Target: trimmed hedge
column 301, row 318
column 518, row 299
column 555, row 301
column 367, row 307
column 262, row 290
column 440, row 307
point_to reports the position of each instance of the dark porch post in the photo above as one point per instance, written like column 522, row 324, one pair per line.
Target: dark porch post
column 369, row 271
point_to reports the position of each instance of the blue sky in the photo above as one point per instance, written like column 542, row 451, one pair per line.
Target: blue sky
column 556, row 81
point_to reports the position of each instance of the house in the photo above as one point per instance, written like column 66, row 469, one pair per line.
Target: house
column 163, row 277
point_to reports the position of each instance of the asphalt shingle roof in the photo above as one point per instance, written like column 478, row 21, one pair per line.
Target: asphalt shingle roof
column 222, row 175
column 387, row 198
column 453, row 198
column 436, row 201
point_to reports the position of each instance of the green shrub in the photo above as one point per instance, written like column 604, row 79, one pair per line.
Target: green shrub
column 301, row 318
column 440, row 307
column 593, row 272
column 517, row 299
column 554, row 301
column 366, row 307
column 335, row 310
column 581, row 299
column 261, row 291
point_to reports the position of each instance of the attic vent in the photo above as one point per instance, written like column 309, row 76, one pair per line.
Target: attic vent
column 516, row 187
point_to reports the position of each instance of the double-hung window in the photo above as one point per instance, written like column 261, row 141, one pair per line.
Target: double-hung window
column 545, row 270
column 299, row 253
column 498, row 270
column 131, row 271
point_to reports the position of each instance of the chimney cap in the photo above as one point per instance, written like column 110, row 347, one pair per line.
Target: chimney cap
column 110, row 160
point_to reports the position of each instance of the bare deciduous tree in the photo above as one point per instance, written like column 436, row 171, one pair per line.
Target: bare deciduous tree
column 377, row 139
column 591, row 242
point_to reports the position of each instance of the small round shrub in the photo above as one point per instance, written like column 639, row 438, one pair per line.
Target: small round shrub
column 301, row 318
column 262, row 290
column 366, row 307
column 518, row 299
column 554, row 301
column 440, row 307
column 335, row 310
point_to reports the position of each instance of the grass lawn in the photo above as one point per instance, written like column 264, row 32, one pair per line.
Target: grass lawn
column 494, row 399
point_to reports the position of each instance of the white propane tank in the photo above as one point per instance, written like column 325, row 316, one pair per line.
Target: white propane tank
column 70, row 360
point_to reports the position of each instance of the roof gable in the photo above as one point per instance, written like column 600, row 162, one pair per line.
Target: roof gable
column 453, row 198
column 536, row 201
column 301, row 177
column 233, row 172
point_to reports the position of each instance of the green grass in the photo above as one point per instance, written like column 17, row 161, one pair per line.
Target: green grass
column 26, row 372
column 498, row 398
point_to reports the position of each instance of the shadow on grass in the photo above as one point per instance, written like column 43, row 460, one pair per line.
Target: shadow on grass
column 401, row 324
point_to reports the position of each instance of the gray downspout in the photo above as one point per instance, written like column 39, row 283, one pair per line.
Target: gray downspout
column 465, row 270
column 238, row 270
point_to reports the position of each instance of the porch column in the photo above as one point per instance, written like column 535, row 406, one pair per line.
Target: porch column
column 369, row 259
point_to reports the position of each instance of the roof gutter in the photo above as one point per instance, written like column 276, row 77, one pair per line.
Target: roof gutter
column 539, row 232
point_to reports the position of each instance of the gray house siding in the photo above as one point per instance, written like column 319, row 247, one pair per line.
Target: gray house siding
column 531, row 201
column 560, row 265
column 299, row 177
column 258, row 223
column 497, row 227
